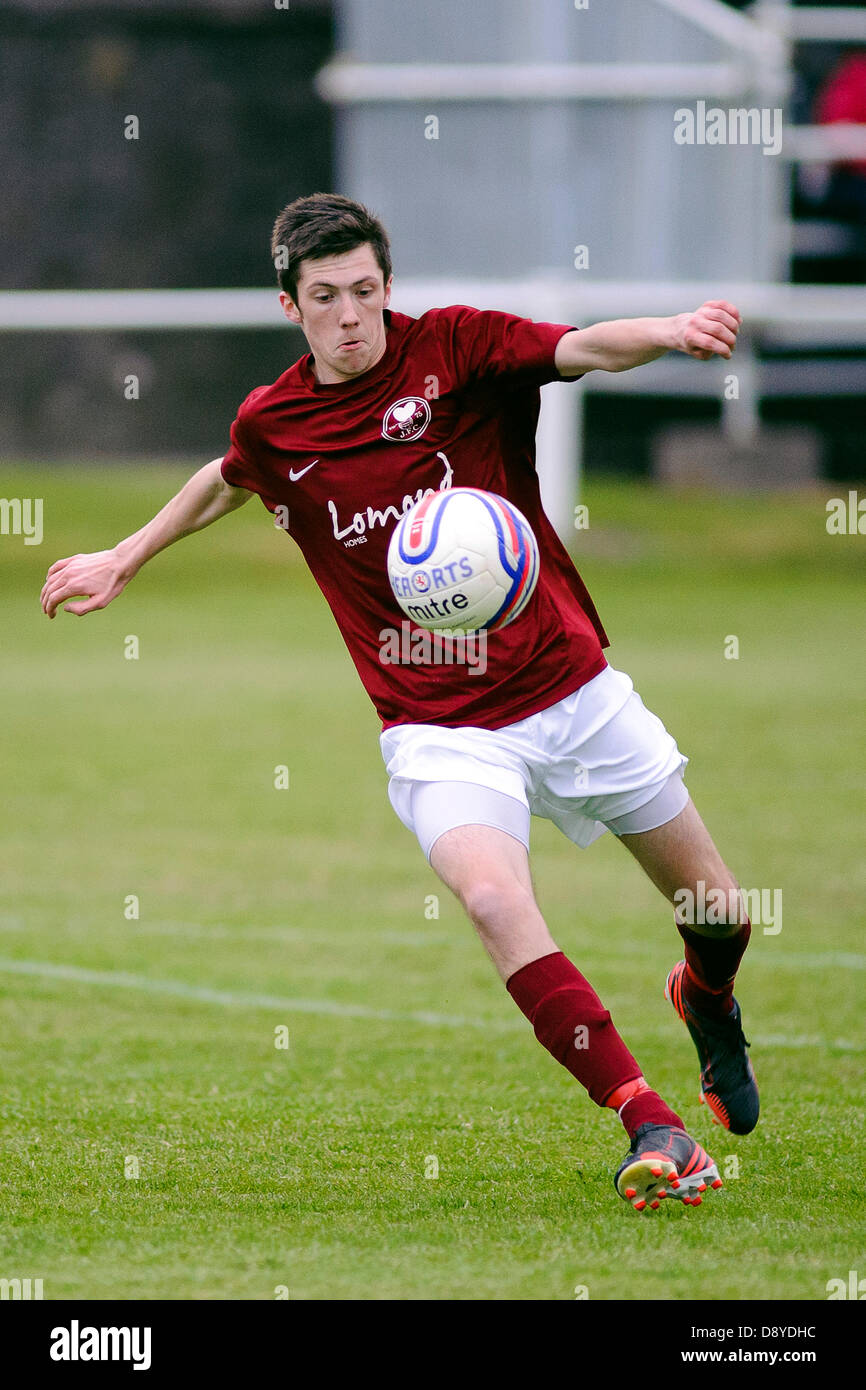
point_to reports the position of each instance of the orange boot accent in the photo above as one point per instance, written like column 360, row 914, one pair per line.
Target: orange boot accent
column 625, row 1092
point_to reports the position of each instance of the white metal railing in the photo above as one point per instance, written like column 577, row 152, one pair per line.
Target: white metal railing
column 121, row 310
column 804, row 144
column 789, row 315
column 804, row 314
column 343, row 82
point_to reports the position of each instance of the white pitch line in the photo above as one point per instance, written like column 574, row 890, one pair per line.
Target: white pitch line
column 196, row 931
column 238, row 999
column 789, row 1041
column 805, row 960
column 203, row 994
column 757, row 958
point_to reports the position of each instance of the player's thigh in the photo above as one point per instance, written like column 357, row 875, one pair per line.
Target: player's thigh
column 681, row 855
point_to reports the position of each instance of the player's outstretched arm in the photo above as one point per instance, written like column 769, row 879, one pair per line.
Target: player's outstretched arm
column 615, row 346
column 102, row 575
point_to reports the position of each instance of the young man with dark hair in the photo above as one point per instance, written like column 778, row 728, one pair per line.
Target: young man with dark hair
column 346, row 441
column 325, row 224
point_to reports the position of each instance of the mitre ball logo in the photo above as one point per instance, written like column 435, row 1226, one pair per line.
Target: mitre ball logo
column 406, row 419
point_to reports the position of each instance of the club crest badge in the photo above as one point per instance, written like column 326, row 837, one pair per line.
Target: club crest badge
column 406, row 419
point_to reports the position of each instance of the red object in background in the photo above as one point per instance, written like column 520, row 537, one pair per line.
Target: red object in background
column 842, row 98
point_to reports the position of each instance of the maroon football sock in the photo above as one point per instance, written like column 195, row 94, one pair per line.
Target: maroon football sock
column 645, row 1107
column 572, row 1023
column 711, row 965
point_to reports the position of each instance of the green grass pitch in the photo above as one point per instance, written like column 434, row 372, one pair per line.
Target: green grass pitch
column 157, row 1143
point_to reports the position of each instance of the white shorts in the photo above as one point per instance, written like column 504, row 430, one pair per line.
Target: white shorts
column 596, row 760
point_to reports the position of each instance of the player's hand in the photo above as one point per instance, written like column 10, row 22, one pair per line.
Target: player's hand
column 710, row 331
column 100, row 577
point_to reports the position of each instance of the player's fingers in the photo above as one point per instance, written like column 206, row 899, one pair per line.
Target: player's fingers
column 60, row 591
column 60, row 564
column 709, row 345
column 719, row 332
column 61, row 568
column 57, row 570
column 726, row 305
column 721, row 316
column 50, row 588
column 50, row 577
column 84, row 606
column 47, row 600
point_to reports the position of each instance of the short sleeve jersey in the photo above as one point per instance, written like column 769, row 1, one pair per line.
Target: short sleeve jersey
column 453, row 402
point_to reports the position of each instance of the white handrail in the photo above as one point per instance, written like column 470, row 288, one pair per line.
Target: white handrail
column 824, row 143
column 341, row 81
column 555, row 298
column 106, row 310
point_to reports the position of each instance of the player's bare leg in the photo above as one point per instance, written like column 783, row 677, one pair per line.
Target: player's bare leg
column 681, row 855
column 488, row 870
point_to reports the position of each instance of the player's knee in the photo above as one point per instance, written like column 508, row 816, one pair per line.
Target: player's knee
column 491, row 901
column 714, row 907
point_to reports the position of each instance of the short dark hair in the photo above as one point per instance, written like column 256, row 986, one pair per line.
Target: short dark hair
column 324, row 224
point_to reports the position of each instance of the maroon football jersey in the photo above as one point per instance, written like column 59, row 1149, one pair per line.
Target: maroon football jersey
column 453, row 401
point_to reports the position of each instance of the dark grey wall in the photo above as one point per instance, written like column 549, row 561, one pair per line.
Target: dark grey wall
column 230, row 129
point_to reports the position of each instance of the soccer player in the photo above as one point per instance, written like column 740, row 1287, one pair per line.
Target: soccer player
column 383, row 409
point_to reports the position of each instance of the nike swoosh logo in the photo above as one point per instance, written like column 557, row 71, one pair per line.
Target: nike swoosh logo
column 295, row 476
